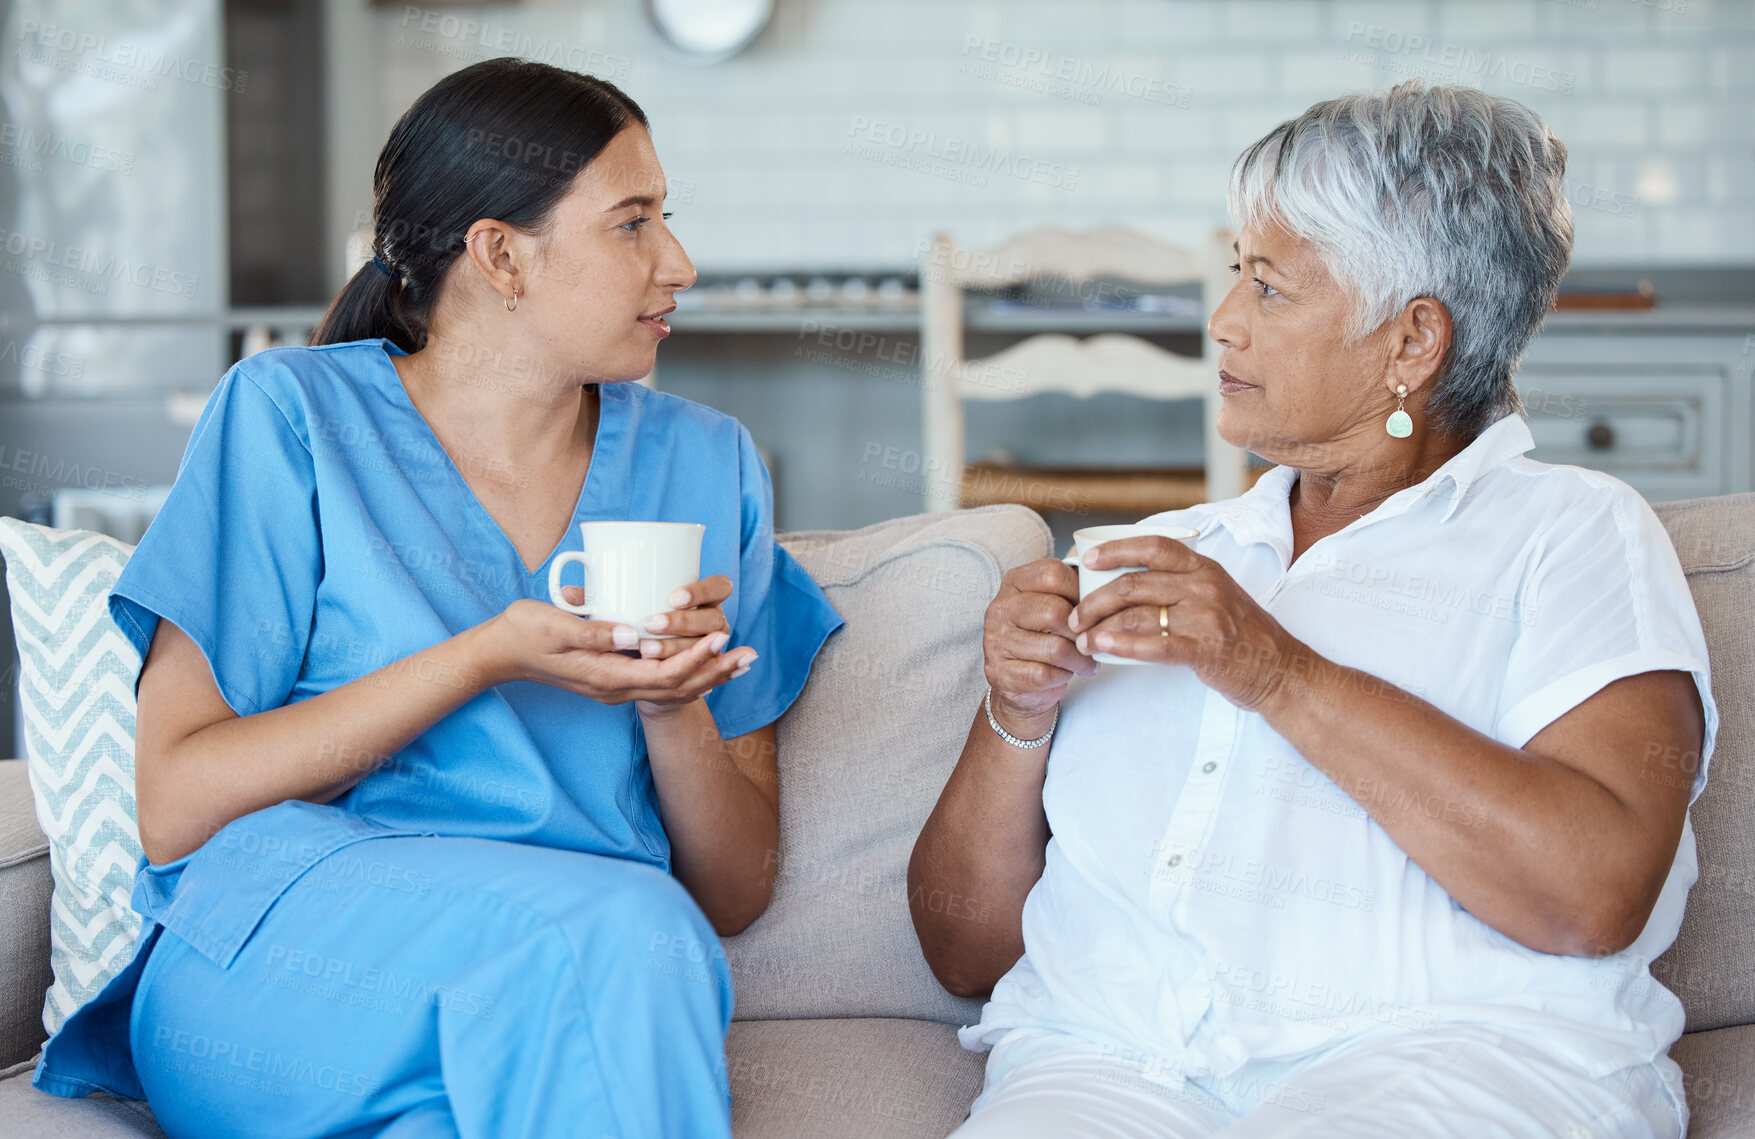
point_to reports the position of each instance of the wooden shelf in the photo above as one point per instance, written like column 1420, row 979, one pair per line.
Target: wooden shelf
column 1087, row 490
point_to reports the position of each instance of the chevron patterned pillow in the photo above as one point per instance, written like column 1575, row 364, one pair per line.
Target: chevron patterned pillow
column 76, row 689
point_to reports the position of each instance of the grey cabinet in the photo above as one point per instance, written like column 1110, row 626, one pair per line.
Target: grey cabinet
column 1663, row 408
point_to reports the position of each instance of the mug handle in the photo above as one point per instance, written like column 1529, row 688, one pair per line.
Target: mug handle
column 554, row 580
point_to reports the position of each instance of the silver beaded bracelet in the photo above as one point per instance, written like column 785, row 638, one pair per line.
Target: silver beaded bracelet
column 1007, row 736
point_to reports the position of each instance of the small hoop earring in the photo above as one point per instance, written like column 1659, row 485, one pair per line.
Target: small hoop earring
column 1400, row 424
column 512, row 305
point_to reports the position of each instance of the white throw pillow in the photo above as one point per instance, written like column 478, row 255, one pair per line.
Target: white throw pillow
column 76, row 695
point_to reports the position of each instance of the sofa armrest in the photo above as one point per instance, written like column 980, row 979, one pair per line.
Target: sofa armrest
column 25, row 886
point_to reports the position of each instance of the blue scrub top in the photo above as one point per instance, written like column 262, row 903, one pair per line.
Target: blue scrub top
column 317, row 531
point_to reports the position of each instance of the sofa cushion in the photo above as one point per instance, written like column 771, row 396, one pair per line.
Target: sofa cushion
column 76, row 696
column 877, row 1079
column 1718, row 1071
column 863, row 755
column 1712, row 965
column 871, row 1078
column 24, row 1111
column 793, row 1079
column 24, row 918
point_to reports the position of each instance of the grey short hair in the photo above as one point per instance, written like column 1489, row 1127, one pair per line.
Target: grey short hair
column 1442, row 192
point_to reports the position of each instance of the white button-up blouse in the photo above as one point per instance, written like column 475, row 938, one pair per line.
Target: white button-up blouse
column 1210, row 898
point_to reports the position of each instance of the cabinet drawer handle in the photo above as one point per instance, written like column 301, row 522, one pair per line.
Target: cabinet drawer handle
column 1601, row 436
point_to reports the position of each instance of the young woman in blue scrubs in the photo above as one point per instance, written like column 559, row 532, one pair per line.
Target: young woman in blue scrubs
column 427, row 855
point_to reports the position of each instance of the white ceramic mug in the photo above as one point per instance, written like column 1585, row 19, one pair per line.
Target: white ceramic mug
column 631, row 569
column 1091, row 580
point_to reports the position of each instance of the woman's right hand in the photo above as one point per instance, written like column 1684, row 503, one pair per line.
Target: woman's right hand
column 532, row 640
column 1029, row 651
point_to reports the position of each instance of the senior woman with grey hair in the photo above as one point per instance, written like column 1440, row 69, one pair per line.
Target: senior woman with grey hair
column 1388, row 847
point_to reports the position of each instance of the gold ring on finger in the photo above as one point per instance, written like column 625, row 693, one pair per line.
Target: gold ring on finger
column 1163, row 620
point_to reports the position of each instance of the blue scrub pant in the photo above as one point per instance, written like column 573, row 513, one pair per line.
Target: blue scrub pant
column 421, row 986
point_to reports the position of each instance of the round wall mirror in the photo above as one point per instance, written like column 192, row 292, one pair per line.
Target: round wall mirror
column 707, row 31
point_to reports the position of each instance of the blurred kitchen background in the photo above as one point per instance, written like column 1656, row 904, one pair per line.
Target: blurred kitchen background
column 179, row 180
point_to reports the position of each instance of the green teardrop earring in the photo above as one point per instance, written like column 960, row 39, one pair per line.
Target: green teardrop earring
column 1400, row 425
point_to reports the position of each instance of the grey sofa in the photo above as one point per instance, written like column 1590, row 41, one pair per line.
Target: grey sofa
column 841, row 1029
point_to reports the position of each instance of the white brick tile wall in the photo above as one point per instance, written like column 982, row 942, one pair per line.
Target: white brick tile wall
column 1490, row 20
column 1670, row 69
column 1584, row 123
column 1593, row 19
column 1351, row 19
column 1140, row 104
column 1680, row 17
column 1328, row 71
column 1739, row 171
column 1702, row 235
column 1212, row 76
column 1716, row 188
column 1241, row 126
column 1181, row 24
column 1703, row 123
column 1124, row 185
column 1732, row 70
column 1043, row 133
column 1189, row 181
column 1275, row 20
column 1721, row 13
column 1630, row 239
column 1398, row 30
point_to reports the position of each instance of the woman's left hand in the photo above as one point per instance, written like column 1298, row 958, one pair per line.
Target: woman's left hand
column 1185, row 609
column 695, row 613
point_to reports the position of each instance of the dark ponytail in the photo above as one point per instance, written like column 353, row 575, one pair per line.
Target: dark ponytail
column 499, row 139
